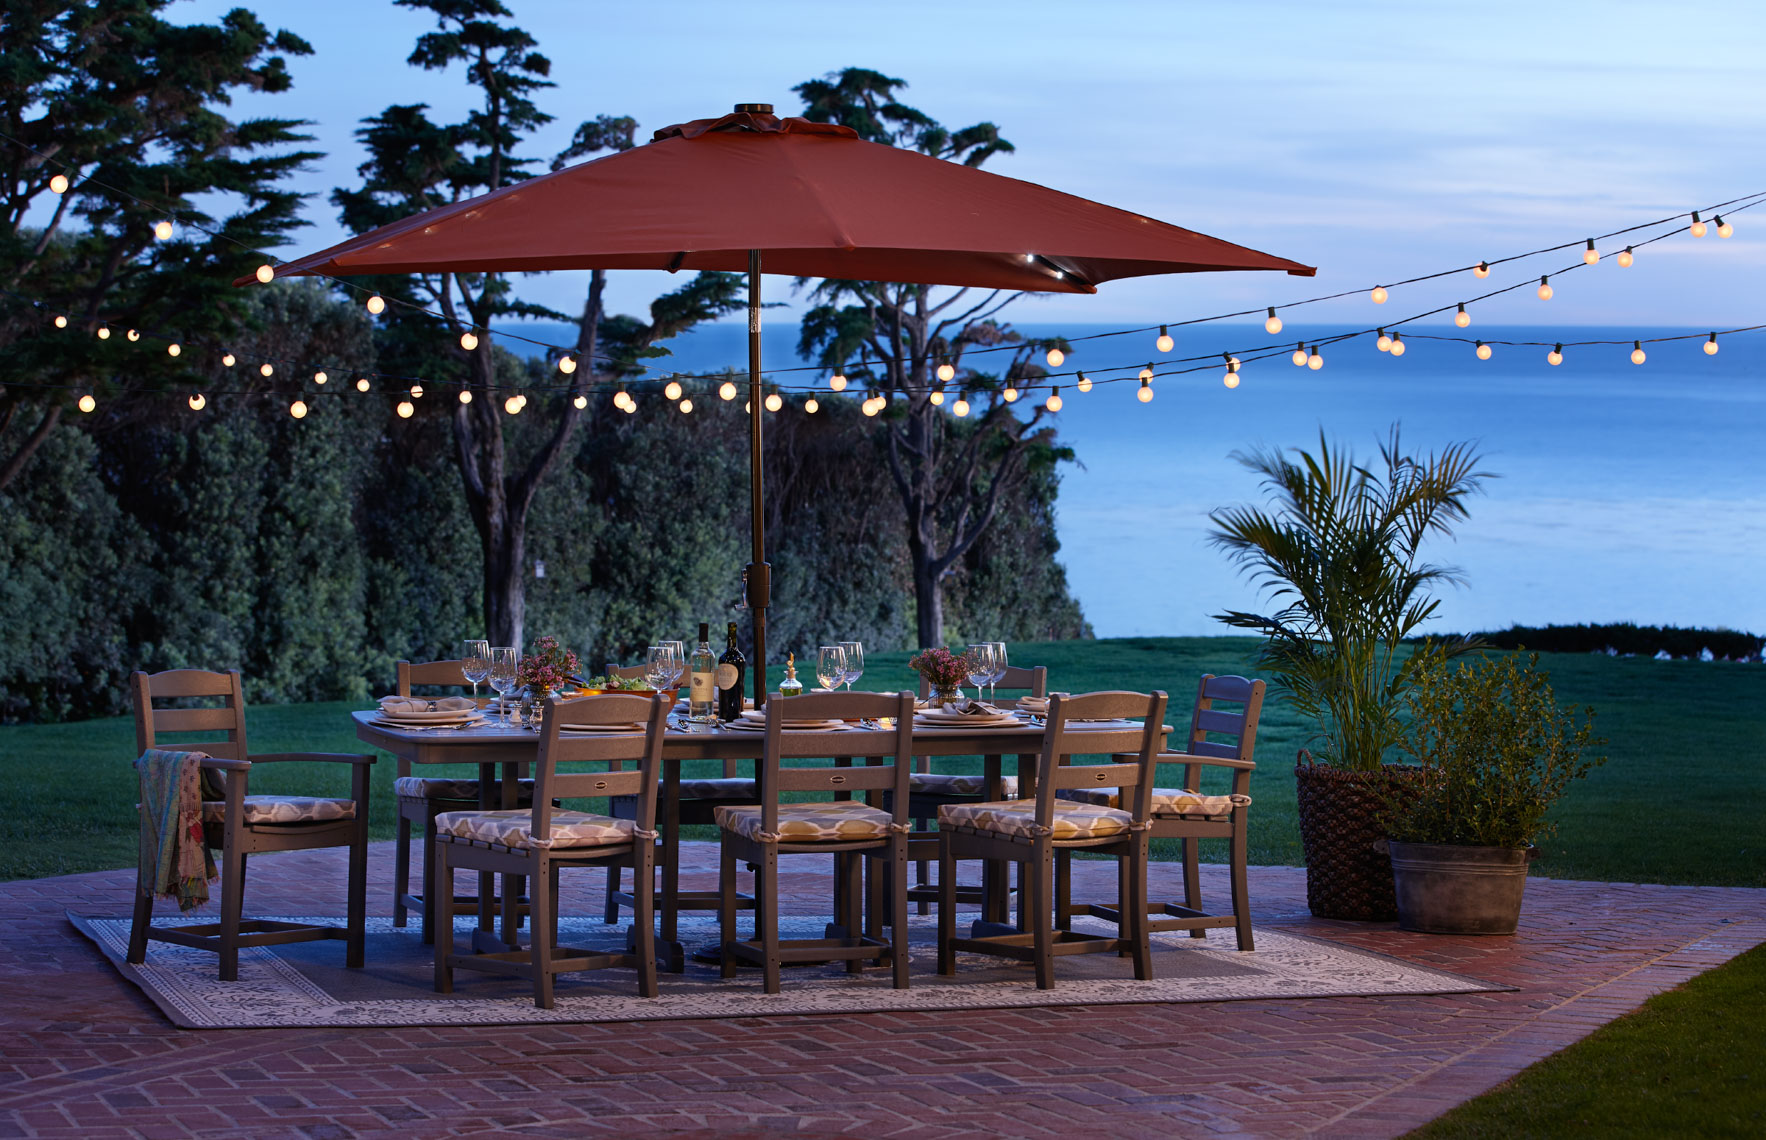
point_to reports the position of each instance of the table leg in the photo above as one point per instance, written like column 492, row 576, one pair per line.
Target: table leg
column 671, row 862
column 488, row 798
column 1027, row 765
column 994, row 877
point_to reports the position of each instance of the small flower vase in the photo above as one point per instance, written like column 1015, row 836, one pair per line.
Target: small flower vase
column 942, row 696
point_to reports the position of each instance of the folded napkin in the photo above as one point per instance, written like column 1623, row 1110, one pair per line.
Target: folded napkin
column 418, row 704
column 173, row 857
column 972, row 708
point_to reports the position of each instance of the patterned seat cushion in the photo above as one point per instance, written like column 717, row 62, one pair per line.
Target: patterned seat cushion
column 513, row 827
column 842, row 821
column 283, row 809
column 449, row 788
column 1166, row 801
column 954, row 784
column 1018, row 817
column 724, row 788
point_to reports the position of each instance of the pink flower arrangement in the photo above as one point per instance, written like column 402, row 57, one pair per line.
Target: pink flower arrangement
column 550, row 666
column 941, row 668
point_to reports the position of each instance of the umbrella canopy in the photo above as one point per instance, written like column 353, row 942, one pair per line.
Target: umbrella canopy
column 748, row 190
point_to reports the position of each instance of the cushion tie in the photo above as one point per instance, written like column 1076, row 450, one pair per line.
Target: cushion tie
column 1140, row 825
column 640, row 833
column 766, row 836
column 902, row 828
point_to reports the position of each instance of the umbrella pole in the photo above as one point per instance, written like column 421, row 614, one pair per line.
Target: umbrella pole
column 759, row 573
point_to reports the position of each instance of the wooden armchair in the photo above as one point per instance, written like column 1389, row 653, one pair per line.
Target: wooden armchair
column 242, row 824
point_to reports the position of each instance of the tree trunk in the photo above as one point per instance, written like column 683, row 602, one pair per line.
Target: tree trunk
column 928, row 603
column 505, row 582
column 15, row 464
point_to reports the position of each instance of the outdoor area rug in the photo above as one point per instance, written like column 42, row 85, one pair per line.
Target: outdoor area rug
column 306, row 984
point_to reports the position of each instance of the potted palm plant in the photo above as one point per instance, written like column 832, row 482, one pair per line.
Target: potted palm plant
column 1338, row 547
column 1495, row 751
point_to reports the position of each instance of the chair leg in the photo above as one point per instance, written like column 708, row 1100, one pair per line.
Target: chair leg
column 947, row 905
column 898, row 919
column 356, row 937
column 232, row 909
column 443, row 883
column 852, row 868
column 766, row 892
column 1241, row 889
column 540, row 934
column 1064, row 889
column 610, row 914
column 726, row 908
column 1124, row 893
column 140, row 923
column 1192, row 879
column 922, row 870
column 644, row 916
column 401, row 872
column 436, row 908
column 1035, row 882
column 1134, row 910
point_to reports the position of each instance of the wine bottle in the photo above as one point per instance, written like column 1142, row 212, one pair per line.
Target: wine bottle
column 732, row 667
column 702, row 694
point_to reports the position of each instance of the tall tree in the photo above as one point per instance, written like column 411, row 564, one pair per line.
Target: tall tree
column 951, row 475
column 115, row 130
column 415, row 164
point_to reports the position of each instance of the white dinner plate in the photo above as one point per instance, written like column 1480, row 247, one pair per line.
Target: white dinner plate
column 790, row 726
column 430, row 716
column 572, row 728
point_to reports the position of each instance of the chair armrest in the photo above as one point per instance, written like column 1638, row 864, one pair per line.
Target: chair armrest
column 1211, row 761
column 321, row 757
column 217, row 764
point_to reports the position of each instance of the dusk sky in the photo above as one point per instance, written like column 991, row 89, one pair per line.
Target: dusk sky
column 1374, row 140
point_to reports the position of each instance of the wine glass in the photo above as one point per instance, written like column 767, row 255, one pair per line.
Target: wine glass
column 659, row 668
column 830, row 666
column 980, row 663
column 855, row 662
column 678, row 656
column 999, row 668
column 504, row 659
column 475, row 664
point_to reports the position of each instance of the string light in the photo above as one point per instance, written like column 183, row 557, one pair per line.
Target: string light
column 1145, row 395
column 774, row 402
column 1397, row 348
column 686, row 407
column 1231, row 379
column 465, row 396
column 1313, row 360
column 1384, row 344
column 1053, row 403
column 162, row 230
column 298, row 409
column 673, row 391
column 1545, row 288
column 521, row 398
column 1698, row 227
column 87, row 403
column 362, row 384
column 727, row 390
column 1084, row 383
column 1462, row 318
column 937, row 396
column 197, row 402
column 416, row 391
column 947, row 371
column 103, row 332
column 1010, row 394
column 1590, row 255
column 58, row 184
column 870, row 407
column 1378, row 295
column 1164, row 343
column 567, row 364
column 266, row 370
column 631, row 404
column 580, row 402
column 812, row 406
column 960, row 408
column 320, row 377
column 1481, row 270
column 174, row 349
column 405, row 409
column 1272, row 324
column 132, row 336
column 837, row 382
column 469, row 340
column 1556, row 356
column 1147, row 372
column 1638, row 356
column 1711, row 345
column 227, row 360
column 1483, row 351
column 265, row 274
column 1724, row 229
column 377, row 304
column 1055, row 357
column 60, row 321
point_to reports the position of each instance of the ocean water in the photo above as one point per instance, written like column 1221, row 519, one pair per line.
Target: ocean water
column 1626, row 492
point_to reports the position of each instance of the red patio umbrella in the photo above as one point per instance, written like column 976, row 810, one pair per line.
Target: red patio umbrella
column 749, row 190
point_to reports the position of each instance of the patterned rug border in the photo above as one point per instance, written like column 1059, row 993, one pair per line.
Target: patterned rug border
column 276, row 994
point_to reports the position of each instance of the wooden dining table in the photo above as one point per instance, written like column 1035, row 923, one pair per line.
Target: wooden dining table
column 492, row 746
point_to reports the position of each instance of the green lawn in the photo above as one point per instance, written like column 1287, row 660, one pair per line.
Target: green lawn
column 1688, row 1063
column 1678, row 803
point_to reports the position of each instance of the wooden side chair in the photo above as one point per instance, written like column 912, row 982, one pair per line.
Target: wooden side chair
column 1029, row 832
column 1185, row 814
column 421, row 799
column 851, row 830
column 241, row 824
column 541, row 841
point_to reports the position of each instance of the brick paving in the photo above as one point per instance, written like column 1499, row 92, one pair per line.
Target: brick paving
column 85, row 1054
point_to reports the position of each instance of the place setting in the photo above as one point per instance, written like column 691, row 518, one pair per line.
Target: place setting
column 449, row 713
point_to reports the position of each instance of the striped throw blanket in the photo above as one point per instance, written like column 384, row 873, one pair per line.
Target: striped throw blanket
column 173, row 854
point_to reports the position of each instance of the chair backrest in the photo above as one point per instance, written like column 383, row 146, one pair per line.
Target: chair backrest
column 430, row 673
column 612, row 750
column 1034, row 678
column 1129, row 771
column 224, row 726
column 1240, row 725
column 781, row 745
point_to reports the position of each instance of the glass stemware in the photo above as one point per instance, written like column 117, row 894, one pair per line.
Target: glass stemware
column 855, row 662
column 830, row 666
column 475, row 664
column 980, row 663
column 659, row 668
column 999, row 668
column 504, row 659
column 678, row 656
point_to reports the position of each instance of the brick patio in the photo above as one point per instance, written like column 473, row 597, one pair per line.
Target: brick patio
column 86, row 1055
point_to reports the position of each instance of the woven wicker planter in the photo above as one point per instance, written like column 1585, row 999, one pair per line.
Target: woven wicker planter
column 1347, row 876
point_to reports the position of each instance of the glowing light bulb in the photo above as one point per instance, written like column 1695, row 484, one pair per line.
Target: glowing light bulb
column 1638, row 356
column 1378, row 296
column 298, row 409
column 937, row 396
column 580, row 402
column 1164, row 343
column 465, row 396
column 1625, row 258
column 1231, row 380
column 1545, row 288
column 1590, row 255
column 266, row 274
column 1384, row 344
column 362, row 384
column 58, row 184
column 197, row 402
column 227, row 360
column 686, row 407
column 1556, row 356
column 946, row 372
column 468, row 340
column 672, row 390
column 812, row 406
column 1724, row 229
column 1053, row 403
column 132, row 336
column 567, row 364
column 1462, row 318
column 1481, row 270
column 1397, row 347
column 416, row 391
column 1232, row 364
column 266, row 370
column 320, row 377
column 1084, row 384
column 1483, row 351
column 1313, row 360
column 1055, row 358
column 960, row 408
column 870, row 407
column 774, row 402
column 377, row 304
column 631, row 405
column 87, row 403
column 1011, row 395
column 521, row 398
column 1147, row 372
column 1711, row 345
column 405, row 409
column 103, row 332
column 1145, row 395
column 174, row 349
column 1299, row 357
column 837, row 382
column 727, row 390
column 1698, row 227
column 60, row 321
column 512, row 406
column 162, row 230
